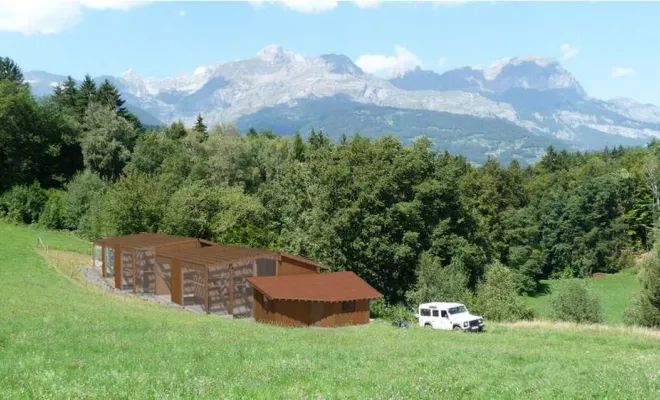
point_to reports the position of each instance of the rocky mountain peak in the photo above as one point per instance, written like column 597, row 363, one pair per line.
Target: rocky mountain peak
column 276, row 53
column 340, row 64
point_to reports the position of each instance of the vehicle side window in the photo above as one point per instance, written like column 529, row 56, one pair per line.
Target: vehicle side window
column 435, row 313
column 444, row 314
column 425, row 312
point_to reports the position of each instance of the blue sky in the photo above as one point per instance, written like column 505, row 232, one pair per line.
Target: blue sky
column 614, row 46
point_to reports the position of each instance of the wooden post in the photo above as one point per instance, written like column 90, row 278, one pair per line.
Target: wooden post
column 206, row 287
column 118, row 271
column 177, row 281
column 134, row 272
column 230, row 308
column 104, row 271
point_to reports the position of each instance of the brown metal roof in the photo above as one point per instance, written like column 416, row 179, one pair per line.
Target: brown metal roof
column 144, row 240
column 329, row 287
column 220, row 254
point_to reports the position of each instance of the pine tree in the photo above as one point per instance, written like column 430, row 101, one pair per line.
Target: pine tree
column 108, row 95
column 66, row 93
column 9, row 70
column 318, row 140
column 343, row 140
column 200, row 129
column 298, row 147
column 87, row 93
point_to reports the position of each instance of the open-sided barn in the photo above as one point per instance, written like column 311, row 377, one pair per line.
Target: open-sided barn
column 214, row 277
column 131, row 259
column 271, row 286
column 330, row 299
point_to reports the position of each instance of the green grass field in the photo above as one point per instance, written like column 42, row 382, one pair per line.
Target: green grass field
column 59, row 339
column 614, row 292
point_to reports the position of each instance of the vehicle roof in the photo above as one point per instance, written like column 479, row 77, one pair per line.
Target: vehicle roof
column 441, row 305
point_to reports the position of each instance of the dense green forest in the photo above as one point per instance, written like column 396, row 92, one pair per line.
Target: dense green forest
column 415, row 222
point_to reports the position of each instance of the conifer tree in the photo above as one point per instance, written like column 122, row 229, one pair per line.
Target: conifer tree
column 200, row 129
column 9, row 70
column 87, row 93
column 298, row 147
column 108, row 95
column 66, row 93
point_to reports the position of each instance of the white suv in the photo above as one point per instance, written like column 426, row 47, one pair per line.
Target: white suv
column 449, row 316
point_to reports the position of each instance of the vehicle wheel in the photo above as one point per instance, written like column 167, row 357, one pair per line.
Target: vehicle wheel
column 456, row 328
column 427, row 326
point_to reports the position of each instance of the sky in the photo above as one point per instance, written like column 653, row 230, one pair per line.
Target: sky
column 611, row 48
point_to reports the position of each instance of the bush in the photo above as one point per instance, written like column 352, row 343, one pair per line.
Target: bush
column 645, row 308
column 23, row 204
column 398, row 312
column 438, row 283
column 497, row 296
column 572, row 301
column 53, row 215
column 191, row 210
column 83, row 190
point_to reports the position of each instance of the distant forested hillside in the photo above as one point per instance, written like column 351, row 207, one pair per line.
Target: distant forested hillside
column 405, row 217
column 473, row 137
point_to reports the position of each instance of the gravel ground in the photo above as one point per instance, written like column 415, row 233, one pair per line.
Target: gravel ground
column 93, row 276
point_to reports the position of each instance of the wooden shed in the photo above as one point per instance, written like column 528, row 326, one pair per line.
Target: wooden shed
column 213, row 278
column 328, row 299
column 131, row 259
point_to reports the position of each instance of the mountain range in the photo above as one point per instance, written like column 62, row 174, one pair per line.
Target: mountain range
column 513, row 110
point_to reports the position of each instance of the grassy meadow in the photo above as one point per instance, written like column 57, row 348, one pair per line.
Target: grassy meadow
column 60, row 339
column 614, row 292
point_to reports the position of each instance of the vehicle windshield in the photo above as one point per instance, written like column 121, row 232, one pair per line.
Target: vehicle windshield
column 457, row 310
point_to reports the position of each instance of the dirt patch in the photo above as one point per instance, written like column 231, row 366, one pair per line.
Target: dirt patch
column 599, row 275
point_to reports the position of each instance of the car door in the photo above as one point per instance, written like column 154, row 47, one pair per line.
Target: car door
column 444, row 322
column 436, row 321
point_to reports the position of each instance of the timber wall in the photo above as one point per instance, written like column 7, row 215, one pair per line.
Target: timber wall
column 290, row 266
column 308, row 313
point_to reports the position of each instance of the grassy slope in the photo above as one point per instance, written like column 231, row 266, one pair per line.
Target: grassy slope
column 614, row 292
column 61, row 340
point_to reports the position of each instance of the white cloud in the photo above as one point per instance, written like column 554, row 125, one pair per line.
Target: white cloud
column 403, row 61
column 442, row 61
column 51, row 16
column 367, row 3
column 618, row 72
column 303, row 6
column 182, row 13
column 569, row 51
column 317, row 6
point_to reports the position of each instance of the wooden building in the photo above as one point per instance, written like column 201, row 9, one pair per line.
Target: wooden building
column 213, row 278
column 131, row 259
column 328, row 299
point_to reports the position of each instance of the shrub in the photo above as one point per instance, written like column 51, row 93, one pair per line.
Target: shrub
column 398, row 312
column 572, row 301
column 645, row 308
column 23, row 204
column 497, row 297
column 52, row 216
column 438, row 283
column 83, row 190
